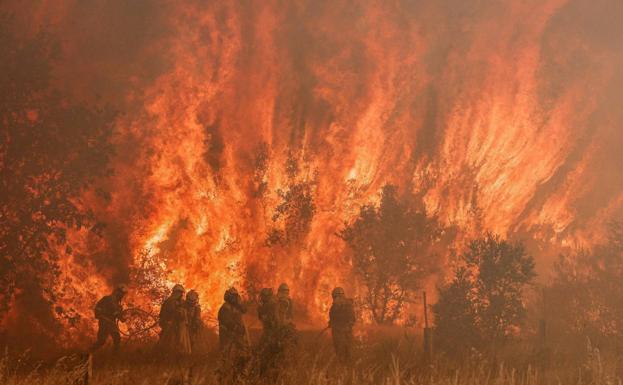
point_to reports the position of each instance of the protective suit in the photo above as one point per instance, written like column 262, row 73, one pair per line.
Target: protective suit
column 175, row 336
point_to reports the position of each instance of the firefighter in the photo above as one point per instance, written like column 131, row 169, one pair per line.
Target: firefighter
column 286, row 334
column 267, row 312
column 174, row 335
column 233, row 339
column 108, row 311
column 232, row 331
column 285, row 313
column 341, row 322
column 268, row 348
column 195, row 324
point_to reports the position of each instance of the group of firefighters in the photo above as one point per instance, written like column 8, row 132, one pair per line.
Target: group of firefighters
column 181, row 325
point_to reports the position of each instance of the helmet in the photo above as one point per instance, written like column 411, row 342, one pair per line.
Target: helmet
column 337, row 292
column 121, row 289
column 178, row 287
column 231, row 295
column 283, row 288
column 266, row 293
column 192, row 296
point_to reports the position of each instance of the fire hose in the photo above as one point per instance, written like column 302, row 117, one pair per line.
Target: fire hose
column 134, row 333
column 148, row 327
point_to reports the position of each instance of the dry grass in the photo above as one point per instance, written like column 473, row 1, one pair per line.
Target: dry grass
column 395, row 361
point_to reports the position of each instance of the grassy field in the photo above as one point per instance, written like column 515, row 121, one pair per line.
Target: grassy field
column 381, row 358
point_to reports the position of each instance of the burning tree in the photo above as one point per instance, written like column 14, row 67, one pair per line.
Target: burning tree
column 392, row 252
column 482, row 305
column 50, row 151
column 295, row 211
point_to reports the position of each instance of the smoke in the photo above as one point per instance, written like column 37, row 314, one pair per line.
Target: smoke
column 503, row 116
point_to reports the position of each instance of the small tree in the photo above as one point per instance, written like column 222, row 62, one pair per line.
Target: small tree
column 392, row 252
column 482, row 305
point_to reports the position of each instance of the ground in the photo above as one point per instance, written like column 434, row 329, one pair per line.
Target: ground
column 383, row 356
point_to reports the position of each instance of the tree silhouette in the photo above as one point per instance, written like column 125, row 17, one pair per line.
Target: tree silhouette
column 482, row 304
column 392, row 252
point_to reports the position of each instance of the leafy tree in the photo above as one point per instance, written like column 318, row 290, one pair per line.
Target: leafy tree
column 393, row 250
column 482, row 304
column 50, row 150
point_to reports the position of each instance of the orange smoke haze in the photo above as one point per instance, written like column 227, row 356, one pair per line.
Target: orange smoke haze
column 503, row 116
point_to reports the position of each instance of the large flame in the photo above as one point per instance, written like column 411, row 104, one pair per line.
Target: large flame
column 500, row 115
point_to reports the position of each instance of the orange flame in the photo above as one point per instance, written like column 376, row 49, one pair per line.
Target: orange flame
column 481, row 111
